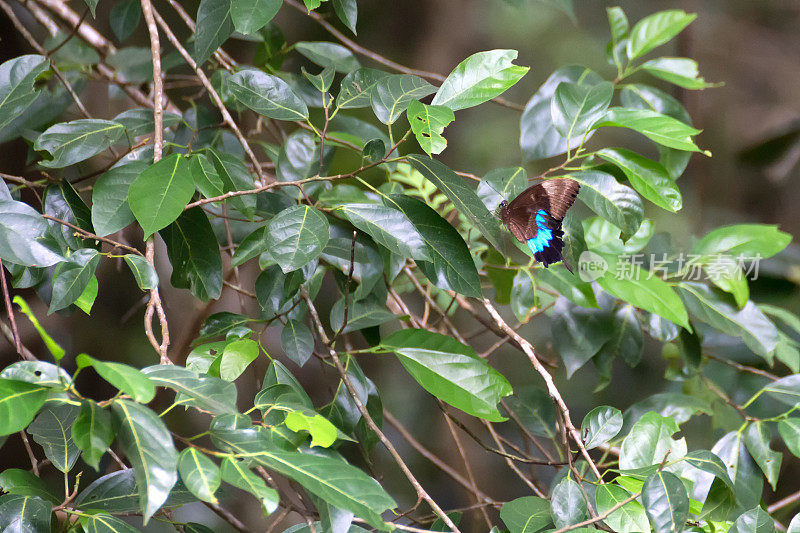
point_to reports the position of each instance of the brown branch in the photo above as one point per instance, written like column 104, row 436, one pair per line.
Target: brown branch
column 10, row 310
column 90, row 235
column 34, row 462
column 514, row 468
column 347, row 288
column 421, row 493
column 741, row 367
column 228, row 516
column 154, row 305
column 443, row 314
column 548, row 379
column 785, row 502
column 226, row 116
column 430, row 456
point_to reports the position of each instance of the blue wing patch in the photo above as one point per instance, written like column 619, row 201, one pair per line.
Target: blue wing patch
column 543, row 233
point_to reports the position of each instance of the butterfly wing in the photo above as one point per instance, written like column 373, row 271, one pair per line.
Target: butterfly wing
column 535, row 216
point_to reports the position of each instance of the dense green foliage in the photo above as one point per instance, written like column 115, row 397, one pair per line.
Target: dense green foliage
column 324, row 180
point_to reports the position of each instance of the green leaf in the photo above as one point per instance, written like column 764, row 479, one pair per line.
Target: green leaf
column 267, row 95
column 236, row 357
column 428, row 123
column 748, row 482
column 76, row 141
column 618, row 23
column 748, row 240
column 214, row 26
column 63, row 202
column 712, row 307
column 578, row 334
column 200, row 474
column 392, row 94
column 52, row 430
column 361, row 314
column 322, row 81
column 86, row 300
column 463, row 197
column 204, row 392
column 479, row 78
column 650, row 441
column 297, row 341
column 249, row 16
column 627, row 340
column 657, row 29
column 451, row 371
column 105, row 523
column 754, row 521
column 666, row 502
column 140, row 121
column 630, row 518
column 143, row 272
column 648, row 177
column 127, row 379
column 118, row 493
column 613, row 201
column 24, row 514
column 322, row 432
column 789, row 428
column 297, row 235
column 93, row 432
column 575, row 108
column 680, row 407
column 110, row 210
column 160, row 193
column 235, row 473
column 528, row 514
column 37, row 373
column 388, row 227
column 21, row 232
column 17, row 90
column 367, row 264
column 711, row 463
column 147, row 443
column 356, row 88
column 567, row 285
column 24, row 483
column 600, row 426
column 756, row 438
column 501, row 184
column 335, row 481
column 681, row 71
column 641, row 290
column 539, row 138
column 452, row 266
column 659, row 128
column 53, row 347
column 347, row 11
column 794, row 525
column 327, row 54
column 19, row 403
column 124, row 18
column 194, row 254
column 568, row 505
column 72, row 277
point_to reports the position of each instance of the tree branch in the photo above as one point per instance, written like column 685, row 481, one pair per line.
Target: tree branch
column 548, row 379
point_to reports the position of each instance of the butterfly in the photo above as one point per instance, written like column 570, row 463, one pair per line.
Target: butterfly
column 534, row 217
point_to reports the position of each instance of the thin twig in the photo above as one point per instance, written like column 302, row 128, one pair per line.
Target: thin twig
column 347, row 288
column 785, row 502
column 430, row 456
column 226, row 116
column 601, row 516
column 548, row 379
column 34, row 462
column 10, row 310
column 90, row 235
column 536, row 490
column 421, row 493
column 155, row 303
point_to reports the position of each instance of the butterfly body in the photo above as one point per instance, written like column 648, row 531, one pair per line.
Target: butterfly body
column 534, row 217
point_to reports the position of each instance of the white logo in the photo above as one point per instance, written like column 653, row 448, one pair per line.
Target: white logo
column 591, row 266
